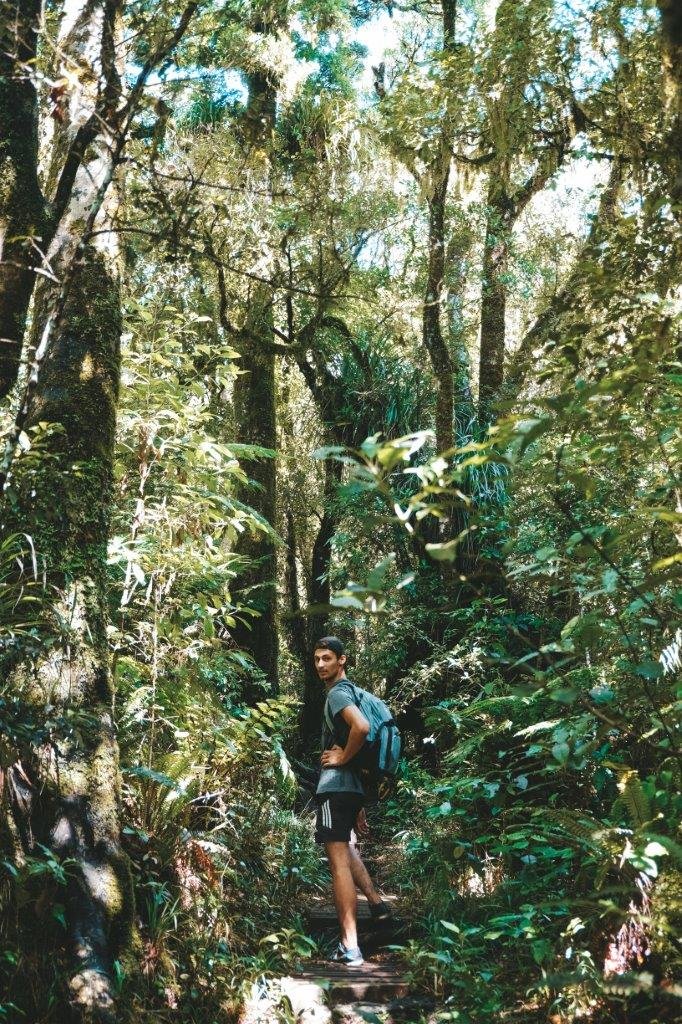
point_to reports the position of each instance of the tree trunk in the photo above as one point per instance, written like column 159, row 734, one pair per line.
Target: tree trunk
column 432, row 332
column 256, row 422
column 61, row 498
column 58, row 494
column 297, row 629
column 22, row 210
column 65, row 509
column 64, row 505
column 319, row 593
column 493, row 298
column 458, row 252
column 504, row 209
column 571, row 293
column 671, row 25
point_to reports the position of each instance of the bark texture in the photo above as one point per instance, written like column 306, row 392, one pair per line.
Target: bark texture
column 505, row 205
column 671, row 25
column 432, row 332
column 61, row 498
column 65, row 507
column 255, row 399
column 22, row 210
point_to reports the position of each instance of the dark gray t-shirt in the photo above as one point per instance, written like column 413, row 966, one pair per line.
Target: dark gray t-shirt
column 337, row 780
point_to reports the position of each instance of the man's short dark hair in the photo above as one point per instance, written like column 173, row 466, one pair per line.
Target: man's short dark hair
column 331, row 643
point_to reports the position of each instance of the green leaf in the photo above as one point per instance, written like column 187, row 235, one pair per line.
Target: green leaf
column 655, row 849
column 649, row 670
column 561, row 752
column 565, row 695
column 346, row 601
column 663, row 563
column 445, row 552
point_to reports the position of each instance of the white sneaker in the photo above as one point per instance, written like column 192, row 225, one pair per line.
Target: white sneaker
column 347, row 957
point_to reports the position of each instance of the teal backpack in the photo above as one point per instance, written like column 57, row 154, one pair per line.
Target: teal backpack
column 377, row 761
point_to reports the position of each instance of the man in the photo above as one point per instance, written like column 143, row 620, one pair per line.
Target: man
column 340, row 800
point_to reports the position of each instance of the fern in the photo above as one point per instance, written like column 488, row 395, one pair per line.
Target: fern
column 634, row 798
column 268, row 718
column 577, row 824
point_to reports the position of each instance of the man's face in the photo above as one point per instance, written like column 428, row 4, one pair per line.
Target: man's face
column 329, row 666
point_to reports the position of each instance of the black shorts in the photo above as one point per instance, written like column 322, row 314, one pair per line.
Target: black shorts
column 336, row 814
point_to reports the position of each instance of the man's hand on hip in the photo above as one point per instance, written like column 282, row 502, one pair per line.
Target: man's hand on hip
column 333, row 758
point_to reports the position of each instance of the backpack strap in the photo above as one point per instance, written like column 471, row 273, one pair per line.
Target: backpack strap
column 356, row 696
column 328, row 719
column 327, row 716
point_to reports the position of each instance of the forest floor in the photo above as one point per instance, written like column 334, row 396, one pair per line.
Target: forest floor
column 319, row 992
column 381, row 992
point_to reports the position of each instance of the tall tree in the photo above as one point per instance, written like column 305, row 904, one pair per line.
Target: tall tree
column 437, row 192
column 671, row 25
column 430, row 164
column 75, row 800
column 529, row 132
column 255, row 390
column 69, row 798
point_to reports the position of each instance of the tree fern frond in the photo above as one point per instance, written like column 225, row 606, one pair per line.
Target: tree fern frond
column 577, row 824
column 635, row 799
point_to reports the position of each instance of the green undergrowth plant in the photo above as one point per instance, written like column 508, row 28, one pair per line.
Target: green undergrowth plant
column 220, row 858
column 32, row 879
column 539, row 825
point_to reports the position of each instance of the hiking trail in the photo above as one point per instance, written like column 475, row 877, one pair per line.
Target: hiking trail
column 319, row 992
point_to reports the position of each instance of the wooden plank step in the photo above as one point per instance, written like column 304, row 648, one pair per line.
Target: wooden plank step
column 379, row 982
column 322, row 914
column 398, row 1011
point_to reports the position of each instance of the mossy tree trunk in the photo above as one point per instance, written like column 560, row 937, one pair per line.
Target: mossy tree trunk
column 501, row 216
column 61, row 497
column 671, row 25
column 574, row 291
column 58, row 493
column 319, row 595
column 22, row 209
column 514, row 143
column 256, row 424
column 305, row 626
column 255, row 407
column 432, row 332
column 330, row 402
column 505, row 205
column 434, row 182
column 64, row 506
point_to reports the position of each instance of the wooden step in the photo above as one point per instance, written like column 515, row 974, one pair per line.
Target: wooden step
column 379, row 982
column 321, row 915
column 398, row 1011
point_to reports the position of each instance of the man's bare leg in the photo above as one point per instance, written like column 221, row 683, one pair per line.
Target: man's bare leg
column 345, row 896
column 361, row 876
